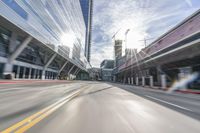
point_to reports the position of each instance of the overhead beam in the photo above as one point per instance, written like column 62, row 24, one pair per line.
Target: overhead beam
column 50, row 60
column 47, row 64
column 76, row 71
column 71, row 69
column 63, row 66
column 18, row 51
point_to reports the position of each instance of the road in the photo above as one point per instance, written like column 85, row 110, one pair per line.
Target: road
column 188, row 104
column 95, row 107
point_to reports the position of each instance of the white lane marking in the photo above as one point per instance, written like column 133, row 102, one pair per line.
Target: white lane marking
column 169, row 103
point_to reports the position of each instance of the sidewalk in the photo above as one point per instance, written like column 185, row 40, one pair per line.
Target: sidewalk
column 31, row 81
column 188, row 91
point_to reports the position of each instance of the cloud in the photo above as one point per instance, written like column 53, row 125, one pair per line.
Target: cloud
column 145, row 18
column 189, row 2
column 100, row 53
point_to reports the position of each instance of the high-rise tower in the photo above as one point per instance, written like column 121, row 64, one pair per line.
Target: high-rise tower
column 87, row 9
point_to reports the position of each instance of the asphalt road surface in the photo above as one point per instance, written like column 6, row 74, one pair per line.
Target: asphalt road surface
column 95, row 107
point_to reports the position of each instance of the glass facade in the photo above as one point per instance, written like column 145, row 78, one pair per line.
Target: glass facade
column 56, row 23
column 87, row 10
column 4, row 41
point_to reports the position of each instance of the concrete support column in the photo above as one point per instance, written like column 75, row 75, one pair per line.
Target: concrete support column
column 51, row 75
column 16, row 53
column 47, row 77
column 8, row 68
column 129, row 81
column 143, row 81
column 137, row 81
column 43, row 74
column 50, row 60
column 114, row 78
column 77, row 72
column 70, row 70
column 9, row 65
column 47, row 64
column 63, row 66
column 159, row 73
column 24, row 73
column 163, row 81
column 132, row 80
column 12, row 45
column 38, row 74
column 34, row 74
column 12, row 42
column 151, row 81
column 29, row 75
column 17, row 74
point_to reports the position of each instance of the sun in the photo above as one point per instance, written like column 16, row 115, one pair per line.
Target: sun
column 68, row 39
column 134, row 40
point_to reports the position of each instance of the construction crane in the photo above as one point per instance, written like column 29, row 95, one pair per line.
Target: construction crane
column 145, row 41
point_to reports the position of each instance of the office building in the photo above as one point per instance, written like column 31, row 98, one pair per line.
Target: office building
column 87, row 10
column 41, row 40
column 117, row 51
column 106, row 70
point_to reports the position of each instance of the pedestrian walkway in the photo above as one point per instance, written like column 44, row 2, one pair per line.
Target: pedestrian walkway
column 31, row 81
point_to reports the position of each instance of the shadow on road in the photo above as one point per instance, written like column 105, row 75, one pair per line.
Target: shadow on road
column 93, row 92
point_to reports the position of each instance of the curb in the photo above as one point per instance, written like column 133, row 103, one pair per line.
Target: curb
column 33, row 81
column 189, row 91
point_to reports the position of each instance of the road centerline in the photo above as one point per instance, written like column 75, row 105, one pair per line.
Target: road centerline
column 30, row 121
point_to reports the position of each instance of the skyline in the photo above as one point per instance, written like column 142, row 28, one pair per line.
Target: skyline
column 144, row 18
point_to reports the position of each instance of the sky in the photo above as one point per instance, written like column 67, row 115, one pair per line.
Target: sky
column 146, row 19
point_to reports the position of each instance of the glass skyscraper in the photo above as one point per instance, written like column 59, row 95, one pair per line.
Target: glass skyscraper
column 43, row 33
column 87, row 10
column 53, row 22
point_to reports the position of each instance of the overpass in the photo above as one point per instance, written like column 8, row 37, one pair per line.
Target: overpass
column 171, row 57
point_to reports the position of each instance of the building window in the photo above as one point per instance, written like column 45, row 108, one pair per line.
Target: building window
column 4, row 41
column 15, row 7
